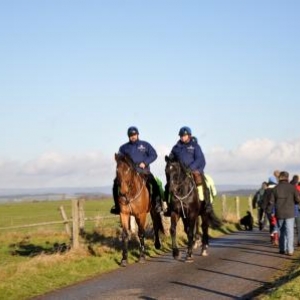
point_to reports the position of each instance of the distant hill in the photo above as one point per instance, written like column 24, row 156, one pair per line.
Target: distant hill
column 59, row 190
column 23, row 194
column 237, row 190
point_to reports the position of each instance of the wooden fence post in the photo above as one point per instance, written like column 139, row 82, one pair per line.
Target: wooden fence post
column 75, row 229
column 250, row 208
column 224, row 208
column 81, row 215
column 66, row 222
column 237, row 207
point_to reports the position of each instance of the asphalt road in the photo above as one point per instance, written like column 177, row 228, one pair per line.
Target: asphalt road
column 238, row 264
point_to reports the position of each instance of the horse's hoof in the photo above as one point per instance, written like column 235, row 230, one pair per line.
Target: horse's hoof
column 204, row 253
column 189, row 259
column 176, row 254
column 123, row 263
column 142, row 260
column 196, row 244
column 157, row 245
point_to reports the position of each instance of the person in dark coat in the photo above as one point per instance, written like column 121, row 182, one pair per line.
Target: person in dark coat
column 142, row 154
column 283, row 199
column 257, row 203
column 273, row 228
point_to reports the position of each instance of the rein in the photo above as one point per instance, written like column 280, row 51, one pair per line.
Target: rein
column 181, row 198
column 127, row 197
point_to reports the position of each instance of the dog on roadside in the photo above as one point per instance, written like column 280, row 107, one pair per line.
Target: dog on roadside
column 247, row 221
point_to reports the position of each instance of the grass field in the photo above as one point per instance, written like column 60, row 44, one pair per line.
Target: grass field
column 38, row 259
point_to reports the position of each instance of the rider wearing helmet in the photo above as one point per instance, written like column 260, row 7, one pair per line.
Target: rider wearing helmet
column 189, row 153
column 142, row 155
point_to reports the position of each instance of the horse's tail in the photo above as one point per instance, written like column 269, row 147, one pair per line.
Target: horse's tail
column 213, row 220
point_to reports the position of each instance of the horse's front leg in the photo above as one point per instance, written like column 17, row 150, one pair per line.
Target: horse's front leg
column 190, row 236
column 141, row 222
column 197, row 235
column 125, row 239
column 157, row 225
column 204, row 227
column 174, row 221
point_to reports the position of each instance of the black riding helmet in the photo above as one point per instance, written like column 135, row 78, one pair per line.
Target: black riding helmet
column 185, row 130
column 132, row 130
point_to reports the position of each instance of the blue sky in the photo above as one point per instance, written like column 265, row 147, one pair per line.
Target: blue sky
column 75, row 75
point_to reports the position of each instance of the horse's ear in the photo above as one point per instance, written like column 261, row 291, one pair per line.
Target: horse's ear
column 167, row 158
column 116, row 156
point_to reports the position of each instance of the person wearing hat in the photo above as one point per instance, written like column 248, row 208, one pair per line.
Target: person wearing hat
column 284, row 198
column 295, row 181
column 142, row 155
column 273, row 229
column 189, row 153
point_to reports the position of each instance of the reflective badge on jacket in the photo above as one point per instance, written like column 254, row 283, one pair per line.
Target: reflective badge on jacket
column 141, row 148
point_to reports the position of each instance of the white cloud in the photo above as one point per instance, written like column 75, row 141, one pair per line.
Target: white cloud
column 253, row 161
column 250, row 163
column 57, row 170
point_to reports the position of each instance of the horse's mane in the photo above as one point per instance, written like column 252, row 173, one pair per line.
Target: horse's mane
column 172, row 159
column 126, row 159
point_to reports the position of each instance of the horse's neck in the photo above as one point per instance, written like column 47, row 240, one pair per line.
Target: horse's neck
column 136, row 183
column 185, row 184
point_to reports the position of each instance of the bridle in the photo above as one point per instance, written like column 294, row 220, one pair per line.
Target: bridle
column 129, row 198
column 175, row 187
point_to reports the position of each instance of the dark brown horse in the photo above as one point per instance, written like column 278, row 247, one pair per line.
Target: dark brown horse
column 135, row 200
column 185, row 204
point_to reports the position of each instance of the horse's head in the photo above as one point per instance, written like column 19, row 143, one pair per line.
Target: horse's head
column 175, row 172
column 125, row 170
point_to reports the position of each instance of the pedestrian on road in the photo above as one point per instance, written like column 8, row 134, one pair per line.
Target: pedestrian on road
column 273, row 228
column 257, row 202
column 283, row 199
column 296, row 183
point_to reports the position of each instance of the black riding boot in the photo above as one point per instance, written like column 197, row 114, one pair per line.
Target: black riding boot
column 115, row 209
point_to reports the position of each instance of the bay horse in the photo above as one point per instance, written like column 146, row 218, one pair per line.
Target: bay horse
column 185, row 204
column 135, row 200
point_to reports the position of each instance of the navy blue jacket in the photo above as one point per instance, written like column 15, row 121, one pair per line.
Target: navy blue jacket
column 190, row 154
column 139, row 151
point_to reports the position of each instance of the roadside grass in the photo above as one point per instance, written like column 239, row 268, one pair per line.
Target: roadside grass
column 286, row 284
column 37, row 260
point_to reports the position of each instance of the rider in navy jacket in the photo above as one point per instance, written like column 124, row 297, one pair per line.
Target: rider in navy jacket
column 139, row 151
column 142, row 154
column 189, row 153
